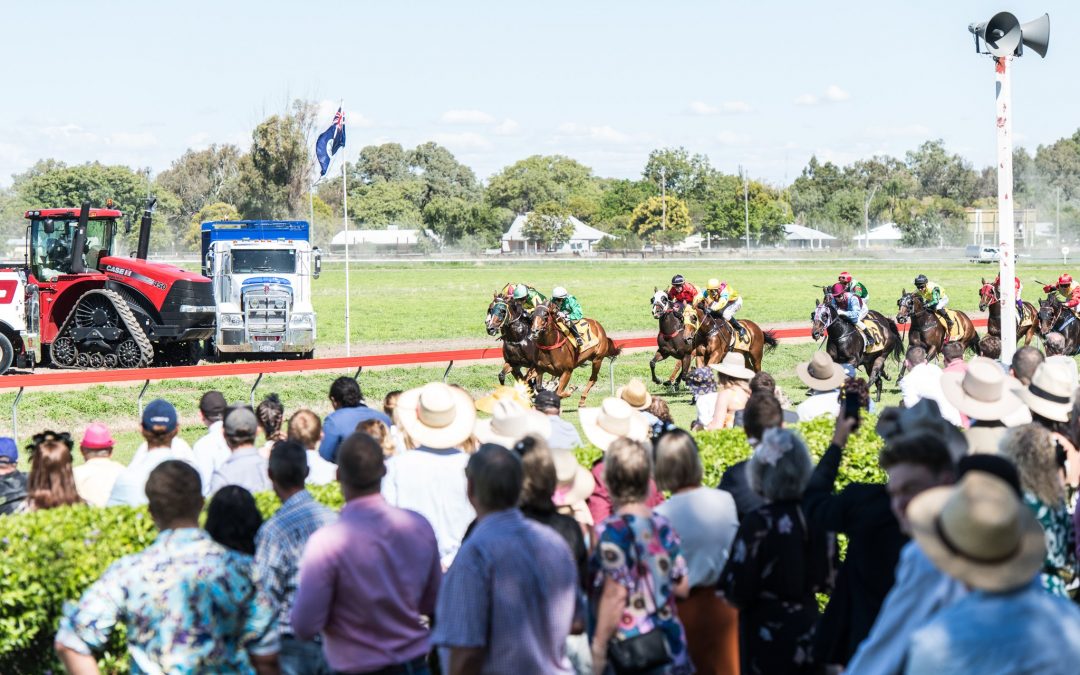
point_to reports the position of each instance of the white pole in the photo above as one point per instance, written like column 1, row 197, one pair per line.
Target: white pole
column 746, row 206
column 1007, row 268
column 345, row 204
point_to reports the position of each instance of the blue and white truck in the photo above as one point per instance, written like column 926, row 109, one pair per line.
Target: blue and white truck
column 262, row 271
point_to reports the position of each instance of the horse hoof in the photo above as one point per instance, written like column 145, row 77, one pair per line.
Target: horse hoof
column 581, row 403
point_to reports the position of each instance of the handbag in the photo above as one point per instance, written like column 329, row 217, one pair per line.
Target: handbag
column 642, row 653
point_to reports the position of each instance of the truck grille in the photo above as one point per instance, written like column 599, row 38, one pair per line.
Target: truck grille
column 267, row 311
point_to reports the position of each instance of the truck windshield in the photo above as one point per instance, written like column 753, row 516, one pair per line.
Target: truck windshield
column 279, row 260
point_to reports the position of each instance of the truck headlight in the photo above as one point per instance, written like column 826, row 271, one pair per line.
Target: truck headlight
column 302, row 320
column 232, row 320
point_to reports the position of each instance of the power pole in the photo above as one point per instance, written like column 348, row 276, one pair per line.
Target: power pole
column 1057, row 217
column 866, row 216
column 663, row 200
column 746, row 206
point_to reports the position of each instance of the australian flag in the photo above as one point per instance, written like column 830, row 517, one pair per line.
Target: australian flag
column 335, row 137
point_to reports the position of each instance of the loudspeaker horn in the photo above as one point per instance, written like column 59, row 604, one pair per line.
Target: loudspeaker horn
column 1036, row 34
column 1001, row 34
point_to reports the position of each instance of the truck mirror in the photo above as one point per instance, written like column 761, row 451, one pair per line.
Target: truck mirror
column 48, row 225
column 318, row 263
column 208, row 264
column 127, row 224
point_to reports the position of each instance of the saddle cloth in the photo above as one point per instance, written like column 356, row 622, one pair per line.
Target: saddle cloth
column 584, row 328
column 1027, row 317
column 737, row 341
column 957, row 330
column 879, row 336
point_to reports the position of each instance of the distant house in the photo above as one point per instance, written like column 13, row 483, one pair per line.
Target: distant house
column 800, row 236
column 581, row 241
column 389, row 240
column 887, row 234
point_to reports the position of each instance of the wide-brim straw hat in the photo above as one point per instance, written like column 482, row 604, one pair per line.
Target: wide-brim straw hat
column 821, row 373
column 734, row 365
column 1050, row 393
column 612, row 420
column 979, row 532
column 436, row 415
column 569, row 473
column 981, row 391
column 509, row 423
column 635, row 393
column 518, row 393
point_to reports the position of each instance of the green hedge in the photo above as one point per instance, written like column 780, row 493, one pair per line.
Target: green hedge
column 50, row 557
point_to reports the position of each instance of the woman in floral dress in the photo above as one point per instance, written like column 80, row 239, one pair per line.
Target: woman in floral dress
column 778, row 563
column 639, row 567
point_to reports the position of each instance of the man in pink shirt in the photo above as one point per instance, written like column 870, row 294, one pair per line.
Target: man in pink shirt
column 353, row 587
column 953, row 354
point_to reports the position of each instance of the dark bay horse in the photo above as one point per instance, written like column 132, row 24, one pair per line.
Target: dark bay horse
column 671, row 340
column 714, row 338
column 1027, row 325
column 926, row 330
column 508, row 320
column 845, row 345
column 1055, row 317
column 559, row 356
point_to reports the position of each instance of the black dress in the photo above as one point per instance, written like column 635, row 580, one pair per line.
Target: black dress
column 778, row 563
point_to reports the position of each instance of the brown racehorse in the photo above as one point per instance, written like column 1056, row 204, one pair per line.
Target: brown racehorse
column 559, row 355
column 1027, row 325
column 714, row 338
column 508, row 320
column 671, row 340
column 926, row 330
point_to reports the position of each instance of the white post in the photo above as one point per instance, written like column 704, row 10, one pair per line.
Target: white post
column 345, row 204
column 1003, row 77
column 746, row 207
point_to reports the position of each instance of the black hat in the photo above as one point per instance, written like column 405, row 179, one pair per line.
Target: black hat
column 677, row 280
column 547, row 399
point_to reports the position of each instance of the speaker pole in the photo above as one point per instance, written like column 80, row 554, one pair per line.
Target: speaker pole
column 1006, row 226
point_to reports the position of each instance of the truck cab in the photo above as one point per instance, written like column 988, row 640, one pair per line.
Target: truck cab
column 262, row 271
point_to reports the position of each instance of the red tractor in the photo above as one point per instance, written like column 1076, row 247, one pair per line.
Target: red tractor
column 97, row 310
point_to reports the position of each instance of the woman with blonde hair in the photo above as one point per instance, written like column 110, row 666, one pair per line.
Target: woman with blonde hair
column 381, row 433
column 51, row 482
column 1033, row 450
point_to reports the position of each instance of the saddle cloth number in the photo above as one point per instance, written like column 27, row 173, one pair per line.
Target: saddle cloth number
column 879, row 337
column 957, row 329
column 584, row 328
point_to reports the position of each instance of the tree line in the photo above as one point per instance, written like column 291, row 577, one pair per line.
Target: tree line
column 678, row 192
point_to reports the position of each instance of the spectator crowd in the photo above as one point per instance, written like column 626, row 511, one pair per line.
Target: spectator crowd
column 479, row 544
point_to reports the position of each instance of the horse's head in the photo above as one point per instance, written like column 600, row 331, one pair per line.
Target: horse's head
column 496, row 316
column 542, row 316
column 661, row 304
column 1049, row 310
column 821, row 318
column 987, row 296
column 905, row 306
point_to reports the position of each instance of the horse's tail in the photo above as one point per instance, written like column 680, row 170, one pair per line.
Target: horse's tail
column 613, row 350
column 771, row 343
column 897, row 351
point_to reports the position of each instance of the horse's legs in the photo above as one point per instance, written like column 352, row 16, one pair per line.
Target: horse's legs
column 673, row 380
column 502, row 373
column 657, row 357
column 874, row 373
column 597, row 362
column 564, row 380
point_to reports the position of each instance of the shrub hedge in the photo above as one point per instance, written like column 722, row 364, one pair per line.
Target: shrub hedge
column 50, row 557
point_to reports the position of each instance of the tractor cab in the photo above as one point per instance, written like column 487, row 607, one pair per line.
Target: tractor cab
column 54, row 234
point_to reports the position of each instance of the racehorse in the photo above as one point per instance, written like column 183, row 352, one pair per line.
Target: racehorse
column 845, row 345
column 558, row 355
column 508, row 319
column 671, row 340
column 926, row 330
column 1054, row 317
column 1027, row 324
column 714, row 338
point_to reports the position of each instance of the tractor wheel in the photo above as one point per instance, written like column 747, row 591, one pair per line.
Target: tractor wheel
column 7, row 354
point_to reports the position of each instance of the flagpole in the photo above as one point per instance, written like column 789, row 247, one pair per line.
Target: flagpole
column 345, row 204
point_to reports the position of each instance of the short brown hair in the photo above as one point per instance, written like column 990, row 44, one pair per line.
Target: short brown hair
column 762, row 412
column 627, row 469
column 538, row 469
column 660, row 410
column 174, row 492
column 990, row 347
column 678, row 464
column 305, row 427
column 919, row 448
column 360, row 462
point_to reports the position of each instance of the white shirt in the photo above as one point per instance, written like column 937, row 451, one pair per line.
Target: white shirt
column 706, row 407
column 130, row 486
column 924, row 381
column 180, row 448
column 706, row 521
column 825, row 403
column 210, row 452
column 320, row 471
column 94, row 479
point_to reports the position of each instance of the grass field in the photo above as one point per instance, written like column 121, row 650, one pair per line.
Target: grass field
column 424, row 306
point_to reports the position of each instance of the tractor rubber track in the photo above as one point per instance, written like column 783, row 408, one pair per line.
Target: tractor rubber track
column 130, row 325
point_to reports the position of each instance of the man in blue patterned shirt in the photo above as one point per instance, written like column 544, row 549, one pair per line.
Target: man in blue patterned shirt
column 278, row 548
column 184, row 608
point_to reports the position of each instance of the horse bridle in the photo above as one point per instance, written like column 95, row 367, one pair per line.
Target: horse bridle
column 994, row 296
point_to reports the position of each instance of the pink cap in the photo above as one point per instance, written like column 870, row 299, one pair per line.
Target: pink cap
column 97, row 437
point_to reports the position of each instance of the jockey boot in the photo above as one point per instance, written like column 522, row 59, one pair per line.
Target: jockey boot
column 574, row 332
column 870, row 341
column 948, row 320
column 739, row 327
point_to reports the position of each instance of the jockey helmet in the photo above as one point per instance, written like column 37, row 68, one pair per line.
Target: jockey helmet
column 558, row 293
column 921, row 280
column 677, row 280
column 1064, row 280
column 521, row 292
column 838, row 290
column 713, row 285
column 844, row 278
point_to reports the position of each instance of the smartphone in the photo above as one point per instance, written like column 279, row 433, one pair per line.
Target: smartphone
column 852, row 408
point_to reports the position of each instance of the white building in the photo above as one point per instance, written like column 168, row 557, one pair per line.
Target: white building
column 800, row 236
column 581, row 241
column 887, row 234
column 390, row 239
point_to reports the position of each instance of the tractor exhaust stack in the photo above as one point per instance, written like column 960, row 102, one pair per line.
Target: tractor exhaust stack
column 78, row 241
column 144, row 229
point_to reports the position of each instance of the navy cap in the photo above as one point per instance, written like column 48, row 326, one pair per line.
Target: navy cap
column 159, row 416
column 9, row 453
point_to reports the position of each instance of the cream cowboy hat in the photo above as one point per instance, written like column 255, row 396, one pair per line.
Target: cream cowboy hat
column 979, row 532
column 821, row 373
column 436, row 415
column 734, row 365
column 1050, row 393
column 569, row 472
column 612, row 420
column 510, row 423
column 518, row 393
column 980, row 392
column 635, row 393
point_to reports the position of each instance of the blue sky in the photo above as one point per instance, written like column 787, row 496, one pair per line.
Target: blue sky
column 762, row 84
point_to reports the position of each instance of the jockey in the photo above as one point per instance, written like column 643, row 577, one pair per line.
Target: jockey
column 567, row 305
column 856, row 287
column 1067, row 291
column 681, row 291
column 720, row 299
column 529, row 297
column 1019, row 290
column 852, row 308
column 933, row 297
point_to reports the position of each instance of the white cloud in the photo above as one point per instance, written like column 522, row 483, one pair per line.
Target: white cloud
column 726, row 108
column 132, row 141
column 806, row 99
column 732, row 138
column 466, row 117
column 198, row 141
column 835, row 93
column 898, row 131
column 507, row 127
column 467, row 140
column 599, row 134
column 353, row 118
